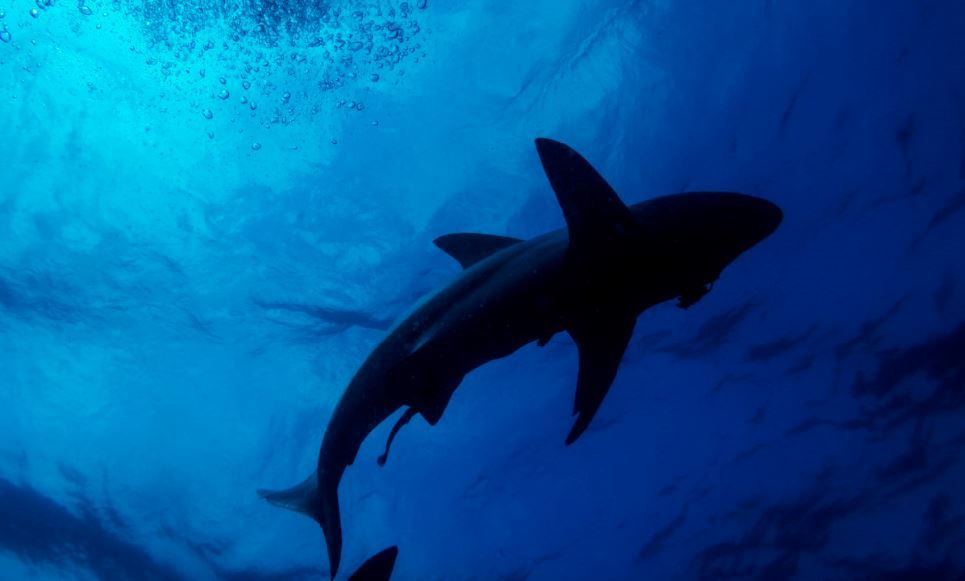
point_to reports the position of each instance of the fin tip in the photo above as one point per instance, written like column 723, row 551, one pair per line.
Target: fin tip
column 576, row 431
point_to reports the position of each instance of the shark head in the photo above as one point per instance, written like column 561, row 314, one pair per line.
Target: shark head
column 681, row 242
column 701, row 233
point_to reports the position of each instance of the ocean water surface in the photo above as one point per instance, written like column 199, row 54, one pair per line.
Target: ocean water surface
column 212, row 211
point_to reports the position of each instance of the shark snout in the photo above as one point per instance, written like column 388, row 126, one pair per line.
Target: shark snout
column 747, row 219
column 723, row 225
column 766, row 216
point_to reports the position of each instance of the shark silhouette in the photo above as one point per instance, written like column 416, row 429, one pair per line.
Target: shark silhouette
column 378, row 567
column 590, row 280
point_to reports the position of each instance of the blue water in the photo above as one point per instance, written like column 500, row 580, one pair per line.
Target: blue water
column 188, row 282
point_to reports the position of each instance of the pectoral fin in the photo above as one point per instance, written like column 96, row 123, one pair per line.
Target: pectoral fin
column 594, row 213
column 601, row 340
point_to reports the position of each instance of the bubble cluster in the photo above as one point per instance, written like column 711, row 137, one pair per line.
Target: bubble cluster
column 301, row 58
column 355, row 40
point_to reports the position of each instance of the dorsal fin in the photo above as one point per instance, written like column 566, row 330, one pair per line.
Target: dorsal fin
column 469, row 249
column 379, row 567
column 593, row 211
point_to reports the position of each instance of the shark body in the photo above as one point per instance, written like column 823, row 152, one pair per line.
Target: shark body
column 591, row 280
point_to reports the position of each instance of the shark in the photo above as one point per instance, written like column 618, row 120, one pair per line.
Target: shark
column 338, row 319
column 591, row 280
column 378, row 567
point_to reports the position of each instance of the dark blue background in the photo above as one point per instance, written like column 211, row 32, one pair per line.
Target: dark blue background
column 162, row 249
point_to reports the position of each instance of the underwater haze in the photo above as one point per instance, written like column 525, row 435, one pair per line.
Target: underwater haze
column 212, row 211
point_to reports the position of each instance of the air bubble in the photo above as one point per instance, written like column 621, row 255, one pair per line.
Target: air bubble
column 349, row 43
column 255, row 146
column 34, row 12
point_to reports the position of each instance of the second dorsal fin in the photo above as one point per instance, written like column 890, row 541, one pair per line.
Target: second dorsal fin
column 469, row 249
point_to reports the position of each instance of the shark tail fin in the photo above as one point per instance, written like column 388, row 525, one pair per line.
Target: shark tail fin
column 301, row 498
column 321, row 505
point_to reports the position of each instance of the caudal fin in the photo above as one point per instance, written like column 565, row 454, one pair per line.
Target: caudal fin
column 321, row 505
